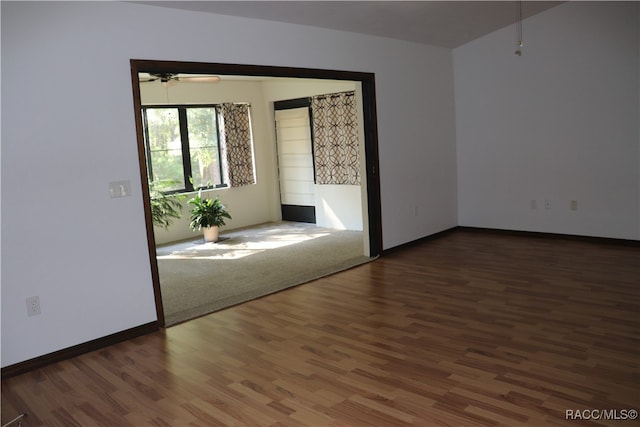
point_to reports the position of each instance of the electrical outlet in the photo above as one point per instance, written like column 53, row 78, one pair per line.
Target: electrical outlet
column 573, row 205
column 534, row 204
column 547, row 204
column 33, row 306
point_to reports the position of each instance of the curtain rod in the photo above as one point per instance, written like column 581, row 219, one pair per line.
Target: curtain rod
column 334, row 95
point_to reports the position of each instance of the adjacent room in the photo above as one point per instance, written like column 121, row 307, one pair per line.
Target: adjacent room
column 502, row 140
column 290, row 182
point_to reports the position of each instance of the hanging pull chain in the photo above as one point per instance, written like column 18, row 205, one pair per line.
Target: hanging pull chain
column 519, row 30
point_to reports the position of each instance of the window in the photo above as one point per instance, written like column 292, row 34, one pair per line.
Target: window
column 186, row 146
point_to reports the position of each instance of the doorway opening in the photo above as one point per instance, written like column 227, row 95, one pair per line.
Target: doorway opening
column 296, row 170
column 366, row 82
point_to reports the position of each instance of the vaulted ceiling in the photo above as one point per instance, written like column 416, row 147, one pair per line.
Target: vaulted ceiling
column 439, row 23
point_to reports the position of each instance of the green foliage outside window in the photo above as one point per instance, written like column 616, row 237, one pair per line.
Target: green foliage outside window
column 167, row 145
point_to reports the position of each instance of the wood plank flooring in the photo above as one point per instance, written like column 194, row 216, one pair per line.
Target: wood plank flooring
column 468, row 329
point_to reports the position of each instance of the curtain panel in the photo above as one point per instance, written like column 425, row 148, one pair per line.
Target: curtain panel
column 235, row 130
column 335, row 137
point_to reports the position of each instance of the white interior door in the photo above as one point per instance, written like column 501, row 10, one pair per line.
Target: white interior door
column 295, row 163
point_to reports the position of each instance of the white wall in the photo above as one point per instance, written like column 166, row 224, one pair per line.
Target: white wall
column 68, row 130
column 339, row 206
column 559, row 123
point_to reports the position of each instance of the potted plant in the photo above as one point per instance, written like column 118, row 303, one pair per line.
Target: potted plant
column 164, row 207
column 207, row 215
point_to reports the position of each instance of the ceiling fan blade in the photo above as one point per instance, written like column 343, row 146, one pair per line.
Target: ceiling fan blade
column 199, row 79
column 169, row 79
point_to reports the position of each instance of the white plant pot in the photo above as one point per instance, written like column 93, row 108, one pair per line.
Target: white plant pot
column 211, row 233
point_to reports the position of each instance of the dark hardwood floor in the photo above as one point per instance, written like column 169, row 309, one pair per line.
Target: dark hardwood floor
column 472, row 328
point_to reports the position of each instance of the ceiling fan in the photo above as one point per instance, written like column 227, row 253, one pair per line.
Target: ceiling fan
column 170, row 79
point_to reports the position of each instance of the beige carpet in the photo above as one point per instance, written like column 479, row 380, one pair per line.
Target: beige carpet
column 197, row 278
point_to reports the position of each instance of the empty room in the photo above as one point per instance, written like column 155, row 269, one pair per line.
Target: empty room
column 500, row 196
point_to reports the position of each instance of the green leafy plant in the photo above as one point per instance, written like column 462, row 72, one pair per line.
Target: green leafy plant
column 164, row 208
column 207, row 212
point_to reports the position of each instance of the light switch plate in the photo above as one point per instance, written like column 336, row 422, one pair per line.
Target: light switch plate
column 120, row 189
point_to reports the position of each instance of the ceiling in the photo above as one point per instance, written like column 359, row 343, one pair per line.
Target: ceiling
column 438, row 23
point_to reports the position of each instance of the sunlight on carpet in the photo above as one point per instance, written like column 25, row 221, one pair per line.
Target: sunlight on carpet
column 234, row 248
column 196, row 278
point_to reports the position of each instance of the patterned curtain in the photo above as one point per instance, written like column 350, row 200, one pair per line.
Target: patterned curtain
column 335, row 138
column 235, row 131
